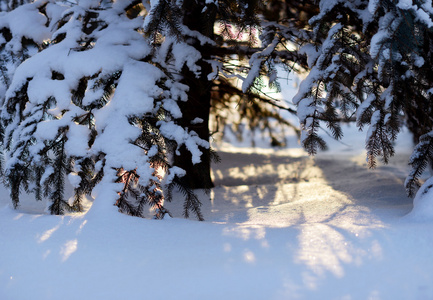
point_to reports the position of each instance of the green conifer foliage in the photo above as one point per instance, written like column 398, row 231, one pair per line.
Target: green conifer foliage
column 225, row 34
column 369, row 61
column 96, row 106
column 67, row 86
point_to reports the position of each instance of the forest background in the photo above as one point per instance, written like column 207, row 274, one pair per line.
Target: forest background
column 115, row 106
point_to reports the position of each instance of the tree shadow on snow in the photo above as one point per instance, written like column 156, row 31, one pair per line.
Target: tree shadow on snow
column 282, row 191
column 251, row 180
column 380, row 191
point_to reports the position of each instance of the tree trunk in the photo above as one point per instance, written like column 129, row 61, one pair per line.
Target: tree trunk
column 198, row 106
column 197, row 176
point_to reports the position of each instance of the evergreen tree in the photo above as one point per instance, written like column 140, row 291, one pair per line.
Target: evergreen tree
column 224, row 33
column 118, row 97
column 73, row 111
column 96, row 105
column 8, row 5
column 368, row 61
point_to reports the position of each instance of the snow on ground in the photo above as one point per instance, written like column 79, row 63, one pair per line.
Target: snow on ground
column 279, row 225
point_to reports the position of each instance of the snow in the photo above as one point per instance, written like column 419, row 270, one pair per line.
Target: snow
column 404, row 4
column 375, row 118
column 74, row 180
column 376, row 42
column 182, row 136
column 364, row 106
column 311, row 52
column 372, row 6
column 256, row 62
column 188, row 55
column 423, row 210
column 32, row 27
column 116, row 51
column 279, row 225
column 197, row 121
column 424, row 17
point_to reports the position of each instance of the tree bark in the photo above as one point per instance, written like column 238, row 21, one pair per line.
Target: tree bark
column 197, row 176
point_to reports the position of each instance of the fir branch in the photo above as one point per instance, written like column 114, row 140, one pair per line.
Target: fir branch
column 191, row 201
column 422, row 156
column 57, row 179
column 164, row 17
